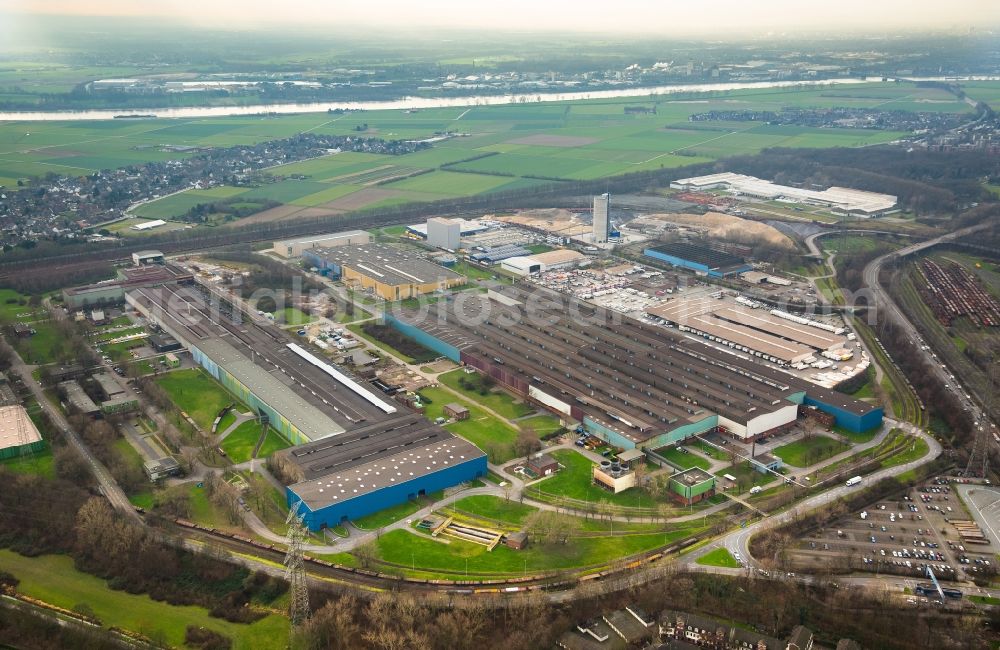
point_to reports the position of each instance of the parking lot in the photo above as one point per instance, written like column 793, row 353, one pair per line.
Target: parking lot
column 901, row 536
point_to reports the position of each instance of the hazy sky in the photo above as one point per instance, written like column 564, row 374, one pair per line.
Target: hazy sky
column 649, row 16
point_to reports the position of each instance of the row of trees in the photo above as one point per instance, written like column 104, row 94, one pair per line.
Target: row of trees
column 127, row 555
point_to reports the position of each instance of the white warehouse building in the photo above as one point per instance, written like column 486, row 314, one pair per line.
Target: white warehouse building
column 541, row 262
column 845, row 199
column 295, row 247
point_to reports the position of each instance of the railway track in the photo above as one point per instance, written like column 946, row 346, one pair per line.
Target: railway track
column 374, row 581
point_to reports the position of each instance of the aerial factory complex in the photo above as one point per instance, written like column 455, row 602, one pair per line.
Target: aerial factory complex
column 631, row 383
column 347, row 433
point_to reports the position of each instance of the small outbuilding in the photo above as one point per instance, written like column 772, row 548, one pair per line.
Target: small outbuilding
column 517, row 541
column 542, row 465
column 456, row 411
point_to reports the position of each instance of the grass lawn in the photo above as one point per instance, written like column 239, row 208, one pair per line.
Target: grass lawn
column 472, row 272
column 491, row 435
column 745, row 474
column 143, row 499
column 239, row 444
column 53, row 579
column 293, row 316
column 719, row 557
column 985, row 600
column 858, row 437
column 809, row 451
column 408, row 550
column 226, row 421
column 272, row 443
column 204, row 511
column 14, row 307
column 496, row 508
column 917, row 448
column 40, row 463
column 542, row 424
column 574, row 481
column 127, row 453
column 708, row 449
column 196, row 393
column 44, row 346
column 495, row 399
column 393, row 514
column 865, row 391
column 684, row 459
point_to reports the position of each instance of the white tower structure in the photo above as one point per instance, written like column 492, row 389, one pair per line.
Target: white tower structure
column 602, row 224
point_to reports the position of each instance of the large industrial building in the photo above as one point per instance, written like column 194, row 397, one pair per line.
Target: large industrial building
column 344, row 429
column 378, row 466
column 466, row 228
column 18, row 434
column 143, row 274
column 390, row 272
column 700, row 259
column 631, row 383
column 541, row 262
column 749, row 330
column 295, row 247
column 844, row 199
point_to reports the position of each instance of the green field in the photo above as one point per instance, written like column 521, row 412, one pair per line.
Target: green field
column 494, row 508
column 293, row 316
column 533, row 143
column 14, row 307
column 196, row 393
column 40, row 463
column 809, row 451
column 684, row 459
column 44, row 346
column 719, row 557
column 709, row 450
column 392, row 514
column 574, row 481
column 495, row 399
column 491, row 435
column 239, row 444
column 53, row 579
column 408, row 550
column 543, row 425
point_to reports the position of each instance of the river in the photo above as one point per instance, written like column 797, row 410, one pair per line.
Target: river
column 435, row 102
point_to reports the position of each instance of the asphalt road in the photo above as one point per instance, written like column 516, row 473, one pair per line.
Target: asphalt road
column 886, row 304
column 738, row 542
column 107, row 483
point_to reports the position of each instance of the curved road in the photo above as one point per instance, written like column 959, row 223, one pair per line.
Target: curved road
column 107, row 483
column 739, row 541
column 884, row 302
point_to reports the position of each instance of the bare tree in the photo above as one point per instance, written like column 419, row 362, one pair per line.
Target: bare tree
column 527, row 442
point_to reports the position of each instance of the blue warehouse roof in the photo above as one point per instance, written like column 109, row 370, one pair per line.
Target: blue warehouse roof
column 375, row 457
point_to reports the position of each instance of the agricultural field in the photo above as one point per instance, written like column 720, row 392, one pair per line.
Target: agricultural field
column 530, row 144
column 53, row 579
